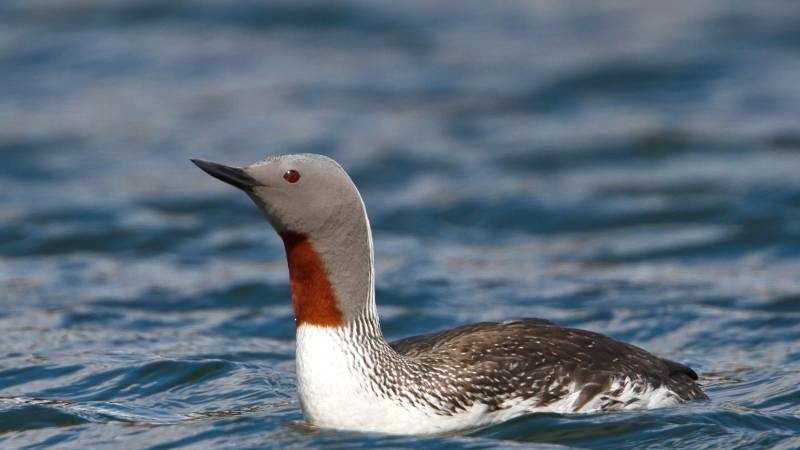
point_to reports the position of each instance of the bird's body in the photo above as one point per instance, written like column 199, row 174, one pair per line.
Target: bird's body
column 477, row 375
column 350, row 377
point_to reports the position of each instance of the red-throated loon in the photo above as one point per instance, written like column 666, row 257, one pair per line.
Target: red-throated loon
column 349, row 377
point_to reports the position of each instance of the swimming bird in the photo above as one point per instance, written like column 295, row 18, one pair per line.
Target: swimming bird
column 350, row 377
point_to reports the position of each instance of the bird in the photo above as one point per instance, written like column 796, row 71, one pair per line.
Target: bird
column 349, row 377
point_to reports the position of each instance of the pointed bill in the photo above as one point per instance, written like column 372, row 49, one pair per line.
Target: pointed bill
column 231, row 175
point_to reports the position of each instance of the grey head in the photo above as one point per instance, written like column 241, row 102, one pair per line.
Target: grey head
column 303, row 193
column 309, row 199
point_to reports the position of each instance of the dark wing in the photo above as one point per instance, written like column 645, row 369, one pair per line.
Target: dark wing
column 425, row 343
column 678, row 369
column 543, row 359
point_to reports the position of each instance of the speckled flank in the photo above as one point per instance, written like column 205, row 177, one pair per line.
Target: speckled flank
column 533, row 359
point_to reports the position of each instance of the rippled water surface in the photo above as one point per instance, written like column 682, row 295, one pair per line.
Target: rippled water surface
column 628, row 168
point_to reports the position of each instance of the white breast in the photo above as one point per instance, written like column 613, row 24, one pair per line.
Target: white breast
column 336, row 391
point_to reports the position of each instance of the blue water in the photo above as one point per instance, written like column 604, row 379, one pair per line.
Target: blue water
column 632, row 169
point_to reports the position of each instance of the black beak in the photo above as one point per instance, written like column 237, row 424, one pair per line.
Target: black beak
column 231, row 175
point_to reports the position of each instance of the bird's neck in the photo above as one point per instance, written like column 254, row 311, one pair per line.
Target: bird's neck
column 332, row 276
column 341, row 353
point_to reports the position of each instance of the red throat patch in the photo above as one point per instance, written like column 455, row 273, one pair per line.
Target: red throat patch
column 313, row 298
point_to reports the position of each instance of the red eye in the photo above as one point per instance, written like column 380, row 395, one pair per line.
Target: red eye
column 292, row 176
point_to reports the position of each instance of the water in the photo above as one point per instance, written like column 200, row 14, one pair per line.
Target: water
column 632, row 169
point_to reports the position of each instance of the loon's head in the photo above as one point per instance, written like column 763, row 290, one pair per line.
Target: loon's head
column 299, row 194
column 316, row 209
